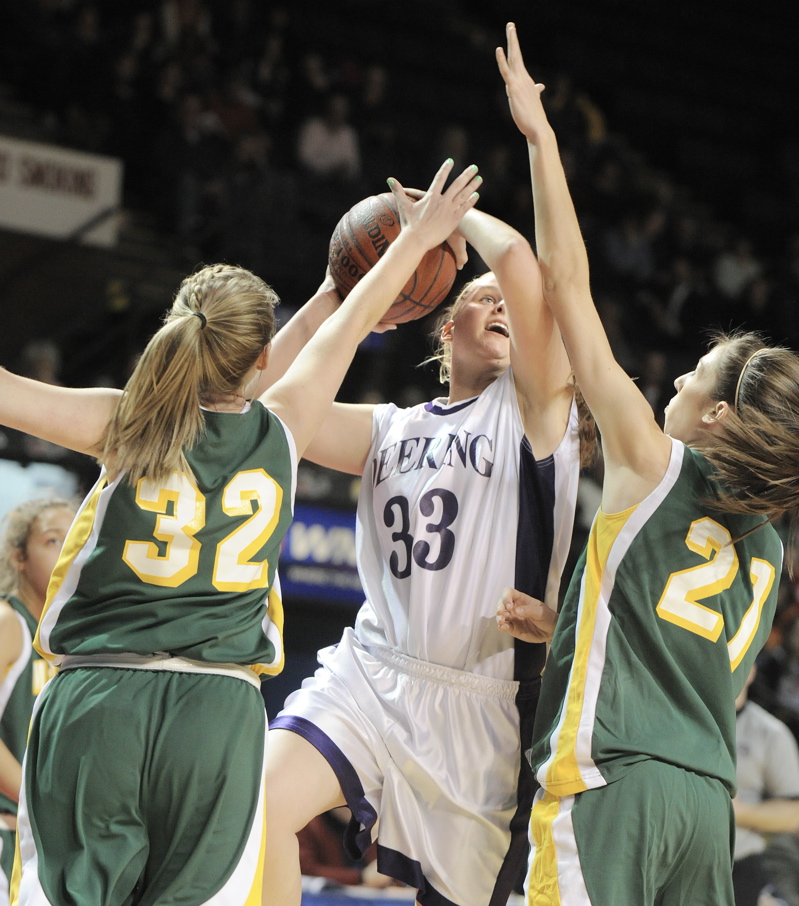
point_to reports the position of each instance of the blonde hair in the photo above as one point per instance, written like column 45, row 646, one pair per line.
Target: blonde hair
column 18, row 525
column 220, row 321
column 442, row 354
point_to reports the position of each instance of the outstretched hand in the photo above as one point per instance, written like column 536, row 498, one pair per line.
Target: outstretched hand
column 455, row 240
column 436, row 215
column 525, row 618
column 524, row 93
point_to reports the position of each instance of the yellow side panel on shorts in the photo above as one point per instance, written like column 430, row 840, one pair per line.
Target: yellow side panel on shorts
column 542, row 889
column 16, row 875
column 255, row 896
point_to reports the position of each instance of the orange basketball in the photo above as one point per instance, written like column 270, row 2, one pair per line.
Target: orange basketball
column 361, row 238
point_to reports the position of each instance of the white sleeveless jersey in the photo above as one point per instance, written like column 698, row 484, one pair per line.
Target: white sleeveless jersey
column 453, row 508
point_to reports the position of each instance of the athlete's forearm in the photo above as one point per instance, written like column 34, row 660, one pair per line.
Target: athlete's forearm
column 10, row 773
column 769, row 817
column 291, row 338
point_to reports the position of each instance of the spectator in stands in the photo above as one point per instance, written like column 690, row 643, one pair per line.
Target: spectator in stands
column 779, row 677
column 768, row 792
column 309, row 88
column 182, row 20
column 236, row 105
column 678, row 306
column 189, row 157
column 786, row 292
column 129, row 130
column 574, row 116
column 271, row 80
column 33, row 535
column 735, row 268
column 781, row 862
column 258, row 210
column 328, row 145
column 628, row 249
column 374, row 118
column 452, row 140
column 498, row 172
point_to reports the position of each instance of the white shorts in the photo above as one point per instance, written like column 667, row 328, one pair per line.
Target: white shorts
column 435, row 755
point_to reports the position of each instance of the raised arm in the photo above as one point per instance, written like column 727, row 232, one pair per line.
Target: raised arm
column 343, row 440
column 66, row 416
column 541, row 368
column 636, row 451
column 303, row 397
column 293, row 336
column 299, row 329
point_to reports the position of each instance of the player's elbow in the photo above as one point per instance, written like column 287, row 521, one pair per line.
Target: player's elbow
column 564, row 286
column 514, row 252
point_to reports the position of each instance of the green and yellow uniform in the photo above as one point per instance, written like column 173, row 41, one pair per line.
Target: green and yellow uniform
column 635, row 728
column 143, row 779
column 19, row 687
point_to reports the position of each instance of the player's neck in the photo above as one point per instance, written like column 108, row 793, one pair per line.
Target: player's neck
column 461, row 388
column 33, row 603
column 231, row 402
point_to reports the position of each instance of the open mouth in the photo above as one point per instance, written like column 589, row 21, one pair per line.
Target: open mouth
column 501, row 329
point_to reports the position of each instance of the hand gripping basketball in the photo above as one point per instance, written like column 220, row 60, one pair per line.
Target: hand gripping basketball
column 364, row 233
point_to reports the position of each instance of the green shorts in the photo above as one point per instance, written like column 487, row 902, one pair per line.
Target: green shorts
column 143, row 786
column 659, row 835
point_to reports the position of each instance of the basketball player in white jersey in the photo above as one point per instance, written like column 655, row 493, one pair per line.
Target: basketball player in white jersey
column 414, row 719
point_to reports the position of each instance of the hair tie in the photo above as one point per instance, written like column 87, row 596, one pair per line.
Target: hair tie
column 754, row 355
column 203, row 319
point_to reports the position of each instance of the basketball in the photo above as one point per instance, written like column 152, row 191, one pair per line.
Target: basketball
column 361, row 238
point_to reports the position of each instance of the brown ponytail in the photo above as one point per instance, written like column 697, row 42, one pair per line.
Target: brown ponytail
column 756, row 457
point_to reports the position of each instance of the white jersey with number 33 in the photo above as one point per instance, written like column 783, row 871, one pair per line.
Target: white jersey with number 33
column 454, row 508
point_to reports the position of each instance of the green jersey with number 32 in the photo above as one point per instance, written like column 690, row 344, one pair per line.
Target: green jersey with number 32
column 182, row 568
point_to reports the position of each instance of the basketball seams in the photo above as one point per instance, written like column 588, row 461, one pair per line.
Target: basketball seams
column 347, row 235
column 429, row 285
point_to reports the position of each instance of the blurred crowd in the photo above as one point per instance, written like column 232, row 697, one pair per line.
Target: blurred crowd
column 249, row 128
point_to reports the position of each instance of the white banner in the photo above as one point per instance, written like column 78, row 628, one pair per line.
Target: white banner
column 55, row 192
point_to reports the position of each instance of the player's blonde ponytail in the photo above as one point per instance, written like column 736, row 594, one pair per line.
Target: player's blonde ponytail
column 219, row 323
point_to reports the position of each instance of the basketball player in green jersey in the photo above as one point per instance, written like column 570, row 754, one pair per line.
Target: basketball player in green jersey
column 32, row 540
column 143, row 774
column 634, row 740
